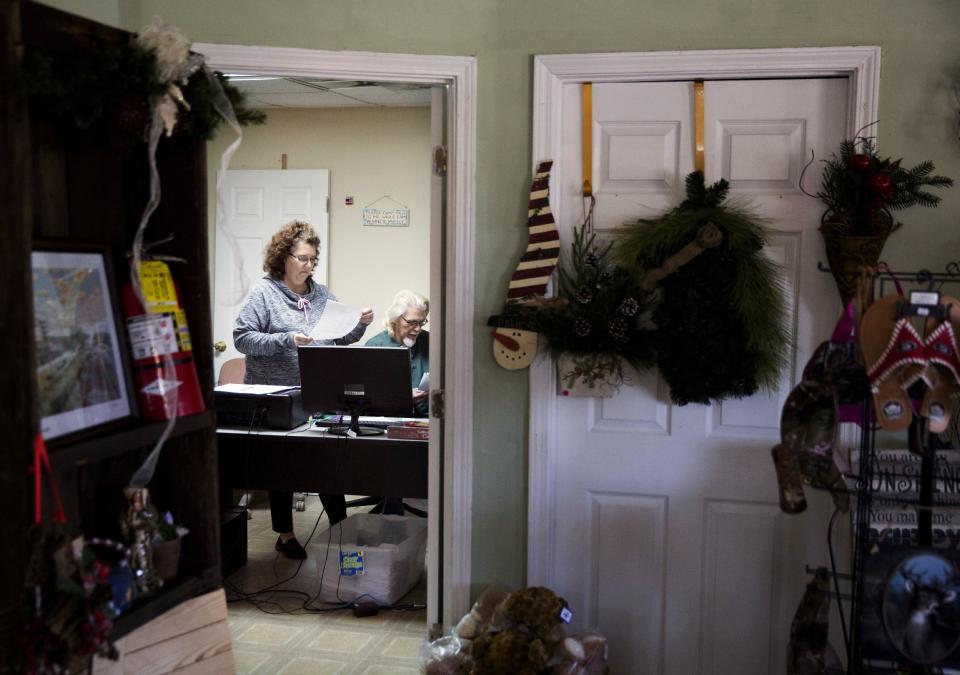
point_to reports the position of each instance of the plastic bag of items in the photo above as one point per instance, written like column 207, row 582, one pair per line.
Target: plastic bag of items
column 584, row 654
column 448, row 655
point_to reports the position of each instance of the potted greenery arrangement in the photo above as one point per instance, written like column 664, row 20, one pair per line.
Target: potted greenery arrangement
column 860, row 189
column 166, row 547
column 595, row 324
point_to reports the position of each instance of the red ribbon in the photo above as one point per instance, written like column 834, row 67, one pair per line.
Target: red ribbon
column 41, row 462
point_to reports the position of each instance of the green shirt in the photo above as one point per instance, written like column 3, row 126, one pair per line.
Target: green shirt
column 419, row 360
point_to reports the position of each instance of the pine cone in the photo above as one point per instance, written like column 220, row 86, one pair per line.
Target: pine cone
column 629, row 307
column 618, row 329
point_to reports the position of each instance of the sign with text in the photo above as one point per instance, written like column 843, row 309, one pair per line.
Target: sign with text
column 386, row 217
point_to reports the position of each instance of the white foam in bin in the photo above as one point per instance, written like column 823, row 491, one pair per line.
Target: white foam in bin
column 383, row 557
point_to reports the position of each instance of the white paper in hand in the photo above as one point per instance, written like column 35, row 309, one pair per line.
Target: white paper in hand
column 336, row 321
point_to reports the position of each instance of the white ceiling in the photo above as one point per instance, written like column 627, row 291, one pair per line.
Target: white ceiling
column 266, row 92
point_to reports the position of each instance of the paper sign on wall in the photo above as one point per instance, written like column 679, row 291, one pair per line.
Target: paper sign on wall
column 386, row 217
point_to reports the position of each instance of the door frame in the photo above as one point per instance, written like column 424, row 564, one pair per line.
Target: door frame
column 552, row 72
column 459, row 74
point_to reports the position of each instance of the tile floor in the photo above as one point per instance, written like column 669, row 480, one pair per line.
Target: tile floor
column 276, row 634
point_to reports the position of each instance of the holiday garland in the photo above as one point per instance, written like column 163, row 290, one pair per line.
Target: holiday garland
column 114, row 86
column 597, row 312
column 721, row 319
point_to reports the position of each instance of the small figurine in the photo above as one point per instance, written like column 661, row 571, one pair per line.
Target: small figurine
column 139, row 525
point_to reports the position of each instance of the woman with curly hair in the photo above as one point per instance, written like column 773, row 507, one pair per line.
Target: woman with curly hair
column 274, row 320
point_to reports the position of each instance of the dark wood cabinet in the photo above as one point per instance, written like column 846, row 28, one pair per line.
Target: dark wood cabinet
column 60, row 184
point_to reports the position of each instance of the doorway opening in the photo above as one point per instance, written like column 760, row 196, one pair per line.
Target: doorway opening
column 451, row 280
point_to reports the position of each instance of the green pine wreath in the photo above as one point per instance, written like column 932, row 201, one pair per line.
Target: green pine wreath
column 722, row 319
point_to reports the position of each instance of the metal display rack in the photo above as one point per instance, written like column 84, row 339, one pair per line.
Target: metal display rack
column 863, row 598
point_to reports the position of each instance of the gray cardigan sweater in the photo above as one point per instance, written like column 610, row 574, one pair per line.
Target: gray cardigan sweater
column 265, row 326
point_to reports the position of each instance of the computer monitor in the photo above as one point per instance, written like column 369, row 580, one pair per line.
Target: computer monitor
column 356, row 380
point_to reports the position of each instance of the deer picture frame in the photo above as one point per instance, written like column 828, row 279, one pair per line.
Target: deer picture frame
column 920, row 607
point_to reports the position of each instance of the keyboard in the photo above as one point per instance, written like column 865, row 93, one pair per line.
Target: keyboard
column 328, row 420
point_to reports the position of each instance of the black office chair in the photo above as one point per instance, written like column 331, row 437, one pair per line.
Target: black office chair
column 387, row 506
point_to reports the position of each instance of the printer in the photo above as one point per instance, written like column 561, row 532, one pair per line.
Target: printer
column 253, row 407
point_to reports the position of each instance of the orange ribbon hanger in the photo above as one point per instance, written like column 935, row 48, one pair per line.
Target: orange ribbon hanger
column 698, row 125
column 587, row 120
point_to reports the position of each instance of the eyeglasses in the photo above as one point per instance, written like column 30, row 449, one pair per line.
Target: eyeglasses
column 305, row 259
column 421, row 323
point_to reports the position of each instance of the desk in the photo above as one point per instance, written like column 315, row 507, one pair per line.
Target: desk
column 307, row 459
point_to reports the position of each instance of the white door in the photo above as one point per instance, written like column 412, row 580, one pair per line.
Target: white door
column 668, row 534
column 256, row 204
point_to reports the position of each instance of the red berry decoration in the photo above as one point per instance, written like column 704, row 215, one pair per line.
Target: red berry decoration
column 881, row 182
column 859, row 162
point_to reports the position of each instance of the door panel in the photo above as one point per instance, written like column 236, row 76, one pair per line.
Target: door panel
column 740, row 582
column 669, row 537
column 627, row 538
column 257, row 204
column 641, row 154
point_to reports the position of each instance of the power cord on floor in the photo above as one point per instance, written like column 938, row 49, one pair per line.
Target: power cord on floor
column 360, row 608
column 299, row 565
column 358, row 605
column 241, row 595
column 307, row 606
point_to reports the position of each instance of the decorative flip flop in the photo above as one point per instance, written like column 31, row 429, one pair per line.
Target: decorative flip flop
column 834, row 364
column 787, row 463
column 895, row 356
column 808, row 425
column 942, row 374
column 937, row 406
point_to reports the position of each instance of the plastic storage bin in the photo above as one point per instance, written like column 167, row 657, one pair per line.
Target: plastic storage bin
column 372, row 555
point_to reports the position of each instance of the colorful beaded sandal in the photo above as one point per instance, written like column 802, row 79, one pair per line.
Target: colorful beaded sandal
column 894, row 356
column 942, row 373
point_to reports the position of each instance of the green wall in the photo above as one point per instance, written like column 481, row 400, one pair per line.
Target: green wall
column 918, row 114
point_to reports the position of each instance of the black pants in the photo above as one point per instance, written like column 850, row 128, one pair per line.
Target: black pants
column 281, row 509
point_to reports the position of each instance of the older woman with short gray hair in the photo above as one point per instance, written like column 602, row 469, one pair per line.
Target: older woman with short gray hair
column 404, row 327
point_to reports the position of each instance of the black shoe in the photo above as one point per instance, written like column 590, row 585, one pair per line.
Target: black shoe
column 291, row 549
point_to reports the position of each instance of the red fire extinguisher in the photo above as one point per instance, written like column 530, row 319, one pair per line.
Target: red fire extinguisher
column 155, row 333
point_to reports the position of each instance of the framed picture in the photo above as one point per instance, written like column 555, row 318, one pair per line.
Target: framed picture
column 82, row 375
column 911, row 601
column 920, row 607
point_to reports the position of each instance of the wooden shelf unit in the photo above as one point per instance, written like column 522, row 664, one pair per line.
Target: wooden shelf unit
column 83, row 187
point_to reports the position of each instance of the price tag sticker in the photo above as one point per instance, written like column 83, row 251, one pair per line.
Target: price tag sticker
column 928, row 298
